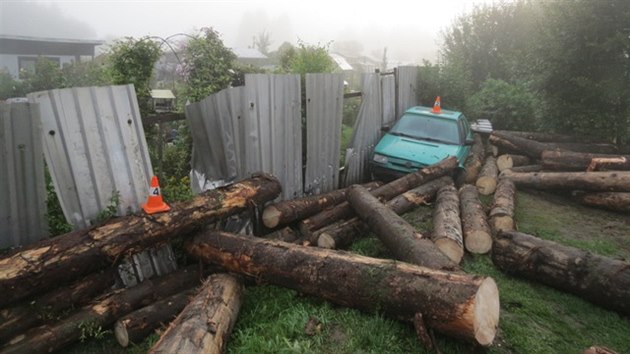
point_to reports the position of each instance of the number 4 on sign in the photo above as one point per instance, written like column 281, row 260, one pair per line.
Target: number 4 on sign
column 154, row 203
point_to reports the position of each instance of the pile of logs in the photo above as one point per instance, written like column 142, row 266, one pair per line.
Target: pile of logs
column 595, row 174
column 60, row 290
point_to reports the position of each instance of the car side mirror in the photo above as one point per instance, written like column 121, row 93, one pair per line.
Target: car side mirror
column 386, row 128
column 469, row 141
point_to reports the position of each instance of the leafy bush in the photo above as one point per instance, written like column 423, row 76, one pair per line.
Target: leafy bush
column 9, row 87
column 507, row 106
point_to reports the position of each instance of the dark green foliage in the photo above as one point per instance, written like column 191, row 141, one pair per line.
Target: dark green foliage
column 89, row 73
column 310, row 58
column 131, row 62
column 9, row 87
column 585, row 69
column 207, row 64
column 507, row 106
column 47, row 75
column 57, row 223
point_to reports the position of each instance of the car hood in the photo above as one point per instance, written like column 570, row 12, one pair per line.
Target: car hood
column 422, row 151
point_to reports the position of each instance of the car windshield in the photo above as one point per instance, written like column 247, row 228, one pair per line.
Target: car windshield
column 427, row 128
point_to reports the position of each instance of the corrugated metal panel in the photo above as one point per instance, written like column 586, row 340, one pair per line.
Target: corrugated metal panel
column 388, row 91
column 95, row 147
column 406, row 82
column 366, row 132
column 217, row 127
column 324, row 107
column 22, row 183
column 273, row 129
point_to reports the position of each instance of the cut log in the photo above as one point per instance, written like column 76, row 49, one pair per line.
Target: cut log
column 575, row 161
column 502, row 211
column 601, row 280
column 534, row 149
column 205, row 325
column 398, row 235
column 473, row 163
column 491, row 150
column 591, row 181
column 288, row 211
column 19, row 318
column 487, row 181
column 477, row 236
column 598, row 350
column 526, row 168
column 285, row 234
column 342, row 234
column 447, row 226
column 59, row 260
column 507, row 161
column 550, row 137
column 456, row 304
column 137, row 325
column 384, row 192
column 102, row 314
column 615, row 201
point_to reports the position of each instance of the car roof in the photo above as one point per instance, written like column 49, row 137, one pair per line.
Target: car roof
column 426, row 111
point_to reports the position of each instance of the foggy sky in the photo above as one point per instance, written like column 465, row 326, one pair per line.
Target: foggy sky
column 409, row 29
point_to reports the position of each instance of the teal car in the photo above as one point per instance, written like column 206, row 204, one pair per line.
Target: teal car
column 420, row 138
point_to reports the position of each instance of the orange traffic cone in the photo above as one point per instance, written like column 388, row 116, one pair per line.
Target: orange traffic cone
column 155, row 204
column 437, row 106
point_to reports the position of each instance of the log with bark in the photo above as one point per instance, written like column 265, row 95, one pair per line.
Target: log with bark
column 206, row 323
column 398, row 235
column 137, row 325
column 473, row 163
column 598, row 350
column 502, row 211
column 477, row 236
column 615, row 201
column 549, row 137
column 487, row 181
column 601, row 280
column 18, row 319
column 491, row 150
column 384, row 192
column 526, row 168
column 576, row 161
column 285, row 234
column 447, row 226
column 455, row 304
column 288, row 211
column 507, row 161
column 342, row 234
column 102, row 314
column 612, row 181
column 534, row 149
column 55, row 261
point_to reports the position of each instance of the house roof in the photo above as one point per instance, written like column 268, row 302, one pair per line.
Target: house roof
column 166, row 94
column 248, row 53
column 341, row 61
column 55, row 40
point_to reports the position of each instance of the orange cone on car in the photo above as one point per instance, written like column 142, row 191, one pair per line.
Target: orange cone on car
column 154, row 203
column 437, row 106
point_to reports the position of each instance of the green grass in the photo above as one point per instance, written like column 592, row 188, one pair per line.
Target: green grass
column 534, row 318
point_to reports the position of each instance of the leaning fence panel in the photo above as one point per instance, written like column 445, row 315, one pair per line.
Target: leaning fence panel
column 23, row 217
column 407, row 90
column 366, row 132
column 95, row 147
column 324, row 107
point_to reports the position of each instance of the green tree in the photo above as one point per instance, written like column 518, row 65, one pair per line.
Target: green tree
column 283, row 56
column 507, row 106
column 262, row 42
column 131, row 61
column 207, row 65
column 9, row 87
column 311, row 59
column 584, row 70
column 89, row 73
column 46, row 76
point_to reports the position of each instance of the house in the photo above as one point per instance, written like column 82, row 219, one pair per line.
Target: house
column 253, row 57
column 19, row 53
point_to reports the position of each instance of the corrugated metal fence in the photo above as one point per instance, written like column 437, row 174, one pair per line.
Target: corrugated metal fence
column 258, row 127
column 22, row 183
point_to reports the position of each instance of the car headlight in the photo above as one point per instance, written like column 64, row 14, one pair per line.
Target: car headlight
column 380, row 158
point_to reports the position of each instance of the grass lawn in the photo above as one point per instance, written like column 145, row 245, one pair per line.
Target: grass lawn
column 534, row 318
